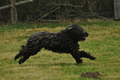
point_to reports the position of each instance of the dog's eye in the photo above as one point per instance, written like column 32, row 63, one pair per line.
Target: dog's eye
column 81, row 29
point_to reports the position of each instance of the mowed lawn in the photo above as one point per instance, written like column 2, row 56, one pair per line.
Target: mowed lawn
column 103, row 43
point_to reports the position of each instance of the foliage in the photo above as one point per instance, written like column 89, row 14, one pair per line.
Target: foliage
column 44, row 10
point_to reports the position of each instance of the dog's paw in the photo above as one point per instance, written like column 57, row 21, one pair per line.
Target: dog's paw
column 22, row 60
column 79, row 61
column 17, row 56
column 92, row 58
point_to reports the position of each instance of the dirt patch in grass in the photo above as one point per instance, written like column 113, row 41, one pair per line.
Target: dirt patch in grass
column 94, row 75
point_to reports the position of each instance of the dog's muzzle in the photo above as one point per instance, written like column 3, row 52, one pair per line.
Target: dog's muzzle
column 85, row 34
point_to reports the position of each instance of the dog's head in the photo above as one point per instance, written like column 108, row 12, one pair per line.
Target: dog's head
column 76, row 32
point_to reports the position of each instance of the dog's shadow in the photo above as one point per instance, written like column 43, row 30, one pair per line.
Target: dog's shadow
column 55, row 64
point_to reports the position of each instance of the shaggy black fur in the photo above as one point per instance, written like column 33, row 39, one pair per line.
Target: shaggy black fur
column 65, row 41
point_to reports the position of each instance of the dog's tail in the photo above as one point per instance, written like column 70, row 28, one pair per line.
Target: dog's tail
column 23, row 54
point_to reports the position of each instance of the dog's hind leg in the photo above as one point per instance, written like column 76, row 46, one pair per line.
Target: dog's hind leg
column 26, row 52
column 29, row 52
column 26, row 55
column 20, row 53
column 23, row 55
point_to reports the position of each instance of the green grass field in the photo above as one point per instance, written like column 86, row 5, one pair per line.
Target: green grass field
column 103, row 42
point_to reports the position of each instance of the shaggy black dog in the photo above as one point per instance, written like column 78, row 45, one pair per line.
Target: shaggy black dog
column 65, row 41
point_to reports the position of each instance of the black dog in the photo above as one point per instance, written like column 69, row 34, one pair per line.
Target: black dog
column 64, row 42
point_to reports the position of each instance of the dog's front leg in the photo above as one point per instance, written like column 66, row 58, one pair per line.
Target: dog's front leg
column 85, row 54
column 76, row 57
column 79, row 54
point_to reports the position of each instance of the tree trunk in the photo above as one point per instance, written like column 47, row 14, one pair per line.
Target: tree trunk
column 13, row 12
column 117, row 9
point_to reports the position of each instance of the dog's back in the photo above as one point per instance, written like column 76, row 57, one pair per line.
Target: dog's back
column 57, row 42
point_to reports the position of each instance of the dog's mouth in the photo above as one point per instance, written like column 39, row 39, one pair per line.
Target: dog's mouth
column 83, row 38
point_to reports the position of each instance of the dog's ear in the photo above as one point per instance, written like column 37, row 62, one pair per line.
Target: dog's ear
column 69, row 27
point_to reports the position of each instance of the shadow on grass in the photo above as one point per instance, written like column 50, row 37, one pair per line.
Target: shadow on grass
column 55, row 64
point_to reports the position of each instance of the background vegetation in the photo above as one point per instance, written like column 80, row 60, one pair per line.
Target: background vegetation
column 62, row 10
column 103, row 43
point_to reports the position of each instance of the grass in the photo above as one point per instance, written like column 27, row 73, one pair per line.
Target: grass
column 103, row 43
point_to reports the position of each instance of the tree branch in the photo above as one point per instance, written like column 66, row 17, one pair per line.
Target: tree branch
column 16, row 4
